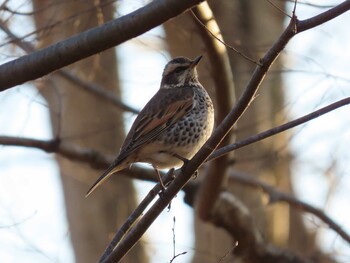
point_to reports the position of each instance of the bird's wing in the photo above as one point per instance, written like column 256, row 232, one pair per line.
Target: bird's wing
column 155, row 118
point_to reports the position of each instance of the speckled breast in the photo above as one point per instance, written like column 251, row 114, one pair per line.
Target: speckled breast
column 188, row 134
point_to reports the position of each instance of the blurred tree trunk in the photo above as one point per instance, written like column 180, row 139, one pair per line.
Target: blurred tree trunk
column 252, row 26
column 82, row 119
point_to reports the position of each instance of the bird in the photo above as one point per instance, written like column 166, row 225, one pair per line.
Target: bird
column 172, row 126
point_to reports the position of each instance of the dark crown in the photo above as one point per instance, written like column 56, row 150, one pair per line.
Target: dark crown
column 179, row 72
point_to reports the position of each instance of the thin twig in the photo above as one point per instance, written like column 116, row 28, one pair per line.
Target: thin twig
column 223, row 42
column 174, row 243
column 268, row 133
column 278, row 8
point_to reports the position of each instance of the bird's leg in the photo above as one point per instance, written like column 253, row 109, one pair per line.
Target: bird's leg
column 185, row 161
column 159, row 178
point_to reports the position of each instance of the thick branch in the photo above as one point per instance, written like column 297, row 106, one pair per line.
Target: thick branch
column 87, row 86
column 90, row 42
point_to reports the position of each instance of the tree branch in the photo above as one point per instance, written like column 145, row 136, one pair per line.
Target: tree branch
column 278, row 196
column 268, row 133
column 323, row 17
column 90, row 42
column 87, row 86
column 232, row 215
column 73, row 152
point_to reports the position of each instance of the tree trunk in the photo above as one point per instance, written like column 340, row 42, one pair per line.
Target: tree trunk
column 82, row 119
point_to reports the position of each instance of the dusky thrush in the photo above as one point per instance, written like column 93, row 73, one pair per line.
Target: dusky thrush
column 172, row 126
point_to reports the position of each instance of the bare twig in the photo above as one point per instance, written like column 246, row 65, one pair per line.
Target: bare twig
column 201, row 18
column 174, row 243
column 278, row 8
column 268, row 133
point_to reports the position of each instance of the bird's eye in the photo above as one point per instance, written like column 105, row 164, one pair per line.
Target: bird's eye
column 179, row 69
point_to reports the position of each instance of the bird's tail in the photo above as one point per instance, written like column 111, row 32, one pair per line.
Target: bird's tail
column 111, row 170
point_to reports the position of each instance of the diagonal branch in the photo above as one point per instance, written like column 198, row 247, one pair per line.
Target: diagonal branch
column 93, row 88
column 286, row 126
column 90, row 42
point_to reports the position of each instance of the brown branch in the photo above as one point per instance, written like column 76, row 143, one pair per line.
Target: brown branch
column 135, row 215
column 232, row 215
column 221, row 73
column 323, row 17
column 278, row 196
column 268, row 133
column 90, row 42
column 93, row 88
column 70, row 151
column 97, row 90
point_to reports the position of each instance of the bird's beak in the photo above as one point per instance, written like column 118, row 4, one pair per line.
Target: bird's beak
column 196, row 61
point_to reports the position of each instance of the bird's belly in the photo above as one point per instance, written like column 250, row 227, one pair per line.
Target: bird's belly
column 164, row 157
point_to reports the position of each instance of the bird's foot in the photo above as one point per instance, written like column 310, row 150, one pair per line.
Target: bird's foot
column 185, row 161
column 195, row 175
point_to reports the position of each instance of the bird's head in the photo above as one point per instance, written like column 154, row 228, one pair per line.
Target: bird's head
column 179, row 72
